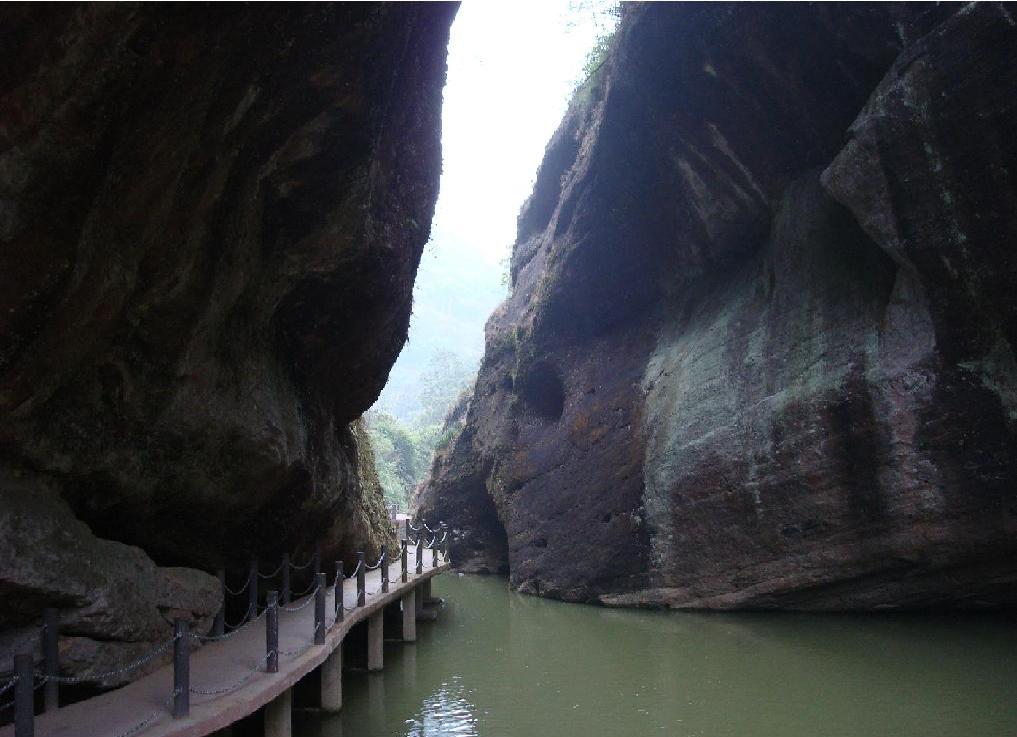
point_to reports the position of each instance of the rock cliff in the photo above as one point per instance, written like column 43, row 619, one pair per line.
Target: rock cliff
column 759, row 350
column 210, row 221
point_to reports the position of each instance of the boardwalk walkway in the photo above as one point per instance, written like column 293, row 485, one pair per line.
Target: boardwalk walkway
column 228, row 680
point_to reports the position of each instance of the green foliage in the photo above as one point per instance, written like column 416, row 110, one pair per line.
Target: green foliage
column 506, row 271
column 446, row 438
column 403, row 450
column 440, row 386
column 606, row 16
column 596, row 57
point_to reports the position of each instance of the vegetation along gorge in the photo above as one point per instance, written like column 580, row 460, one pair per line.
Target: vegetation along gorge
column 756, row 351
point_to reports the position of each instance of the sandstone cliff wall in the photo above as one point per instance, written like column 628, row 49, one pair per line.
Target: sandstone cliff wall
column 210, row 221
column 759, row 350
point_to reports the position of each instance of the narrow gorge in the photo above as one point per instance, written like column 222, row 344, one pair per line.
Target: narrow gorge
column 756, row 354
column 759, row 347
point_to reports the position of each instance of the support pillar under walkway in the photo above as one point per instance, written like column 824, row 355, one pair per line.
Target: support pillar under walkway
column 410, row 617
column 279, row 715
column 376, row 641
column 332, row 681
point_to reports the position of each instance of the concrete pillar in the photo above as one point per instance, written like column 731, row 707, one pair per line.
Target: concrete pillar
column 375, row 641
column 409, row 617
column 418, row 604
column 278, row 715
column 332, row 681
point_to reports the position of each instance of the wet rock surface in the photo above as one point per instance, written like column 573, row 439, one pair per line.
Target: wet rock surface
column 210, row 222
column 759, row 348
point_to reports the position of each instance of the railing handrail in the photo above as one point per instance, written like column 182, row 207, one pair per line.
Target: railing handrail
column 25, row 682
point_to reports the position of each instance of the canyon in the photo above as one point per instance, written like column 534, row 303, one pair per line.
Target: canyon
column 758, row 351
column 759, row 347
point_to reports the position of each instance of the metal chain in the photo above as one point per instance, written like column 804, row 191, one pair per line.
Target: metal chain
column 227, row 635
column 10, row 684
column 143, row 723
column 309, row 589
column 119, row 671
column 226, row 689
column 14, row 679
column 273, row 574
column 295, row 567
column 244, row 620
column 218, row 638
column 307, row 602
column 149, row 719
column 239, row 591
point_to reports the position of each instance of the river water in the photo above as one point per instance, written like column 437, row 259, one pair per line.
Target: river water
column 500, row 664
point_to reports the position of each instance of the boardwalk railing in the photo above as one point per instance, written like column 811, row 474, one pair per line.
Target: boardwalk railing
column 27, row 680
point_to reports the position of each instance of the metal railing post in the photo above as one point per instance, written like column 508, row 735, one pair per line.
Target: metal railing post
column 403, row 571
column 272, row 633
column 444, row 541
column 420, row 553
column 360, row 579
column 383, row 565
column 286, row 578
column 252, row 590
column 181, row 670
column 434, row 551
column 51, row 657
column 219, row 624
column 24, row 703
column 319, row 609
column 339, row 580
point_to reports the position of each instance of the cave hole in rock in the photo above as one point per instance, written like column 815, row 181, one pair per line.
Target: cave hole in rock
column 542, row 391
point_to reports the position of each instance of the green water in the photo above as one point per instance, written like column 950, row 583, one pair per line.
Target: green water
column 499, row 664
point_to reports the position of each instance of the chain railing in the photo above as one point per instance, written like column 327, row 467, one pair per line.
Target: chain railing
column 26, row 680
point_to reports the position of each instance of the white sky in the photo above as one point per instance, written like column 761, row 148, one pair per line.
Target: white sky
column 511, row 70
column 512, row 67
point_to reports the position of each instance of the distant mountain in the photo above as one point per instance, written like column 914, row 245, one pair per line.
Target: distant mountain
column 454, row 294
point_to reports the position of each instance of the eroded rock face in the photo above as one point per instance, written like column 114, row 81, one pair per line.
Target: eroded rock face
column 759, row 350
column 115, row 605
column 210, row 222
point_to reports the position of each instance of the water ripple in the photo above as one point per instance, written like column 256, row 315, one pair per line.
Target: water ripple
column 445, row 713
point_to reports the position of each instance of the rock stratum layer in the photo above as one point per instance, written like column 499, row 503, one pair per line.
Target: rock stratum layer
column 759, row 350
column 210, row 222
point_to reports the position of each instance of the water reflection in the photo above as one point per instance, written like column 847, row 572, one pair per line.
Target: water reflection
column 498, row 664
column 445, row 713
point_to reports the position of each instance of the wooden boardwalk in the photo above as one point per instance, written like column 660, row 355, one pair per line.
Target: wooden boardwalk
column 228, row 680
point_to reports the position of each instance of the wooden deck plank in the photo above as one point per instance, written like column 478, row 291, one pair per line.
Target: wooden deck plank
column 142, row 707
